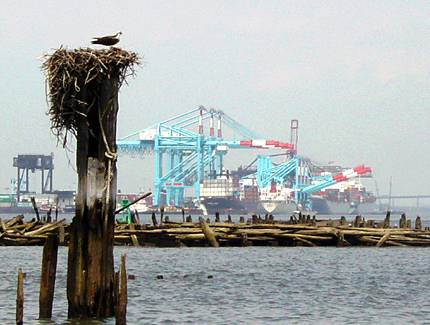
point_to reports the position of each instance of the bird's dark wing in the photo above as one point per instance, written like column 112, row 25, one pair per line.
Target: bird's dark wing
column 107, row 40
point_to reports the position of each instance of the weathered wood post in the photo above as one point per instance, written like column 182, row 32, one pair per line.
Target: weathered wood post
column 47, row 279
column 83, row 95
column 36, row 210
column 387, row 220
column 418, row 223
column 20, row 298
column 122, row 298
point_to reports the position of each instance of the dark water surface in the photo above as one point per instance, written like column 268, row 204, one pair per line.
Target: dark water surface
column 253, row 285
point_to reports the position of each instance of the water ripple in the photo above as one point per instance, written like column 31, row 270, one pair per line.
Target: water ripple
column 258, row 285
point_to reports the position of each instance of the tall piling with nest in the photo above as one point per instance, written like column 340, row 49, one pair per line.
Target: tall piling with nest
column 83, row 95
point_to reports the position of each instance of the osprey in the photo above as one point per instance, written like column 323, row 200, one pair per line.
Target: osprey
column 107, row 40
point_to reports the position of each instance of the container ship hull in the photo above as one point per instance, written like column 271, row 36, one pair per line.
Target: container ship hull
column 270, row 207
column 222, row 205
column 234, row 206
column 323, row 206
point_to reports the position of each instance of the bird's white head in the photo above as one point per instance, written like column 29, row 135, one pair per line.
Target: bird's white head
column 118, row 34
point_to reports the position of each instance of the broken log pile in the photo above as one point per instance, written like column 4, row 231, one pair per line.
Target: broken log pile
column 16, row 232
column 255, row 232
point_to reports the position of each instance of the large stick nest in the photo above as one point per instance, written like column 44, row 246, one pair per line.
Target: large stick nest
column 67, row 71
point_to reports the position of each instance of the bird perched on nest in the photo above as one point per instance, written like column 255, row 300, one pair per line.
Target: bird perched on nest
column 107, row 40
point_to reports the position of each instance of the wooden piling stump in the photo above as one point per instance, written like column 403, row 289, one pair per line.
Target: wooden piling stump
column 418, row 225
column 61, row 235
column 387, row 220
column 36, row 210
column 83, row 95
column 122, row 302
column 47, row 279
column 357, row 221
column 20, row 298
column 342, row 221
column 154, row 219
column 402, row 221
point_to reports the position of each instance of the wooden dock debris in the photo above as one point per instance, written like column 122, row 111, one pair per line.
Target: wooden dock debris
column 209, row 234
column 264, row 232
column 16, row 232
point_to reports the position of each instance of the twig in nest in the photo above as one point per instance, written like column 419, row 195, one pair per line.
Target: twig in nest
column 67, row 71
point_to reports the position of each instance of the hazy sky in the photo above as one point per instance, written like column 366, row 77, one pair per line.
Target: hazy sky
column 354, row 73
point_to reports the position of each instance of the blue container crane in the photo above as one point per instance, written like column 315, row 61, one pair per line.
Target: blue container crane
column 183, row 158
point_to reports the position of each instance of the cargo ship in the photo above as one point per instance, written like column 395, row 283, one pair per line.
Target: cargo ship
column 228, row 194
column 221, row 195
column 349, row 197
column 233, row 195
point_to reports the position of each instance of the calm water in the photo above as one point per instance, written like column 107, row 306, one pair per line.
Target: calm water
column 252, row 285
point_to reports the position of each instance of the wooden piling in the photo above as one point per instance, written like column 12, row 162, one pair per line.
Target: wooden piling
column 36, row 210
column 402, row 221
column 418, row 225
column 342, row 221
column 61, row 235
column 56, row 210
column 357, row 221
column 116, row 284
column 20, row 299
column 47, row 279
column 83, row 95
column 120, row 318
column 154, row 219
column 387, row 220
column 92, row 229
column 161, row 214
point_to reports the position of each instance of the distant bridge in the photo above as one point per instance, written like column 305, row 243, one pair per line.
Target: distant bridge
column 404, row 197
column 391, row 198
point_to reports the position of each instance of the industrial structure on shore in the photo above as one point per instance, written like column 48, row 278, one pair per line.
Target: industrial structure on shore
column 188, row 153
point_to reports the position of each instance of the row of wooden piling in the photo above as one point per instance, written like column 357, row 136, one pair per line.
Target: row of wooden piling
column 256, row 231
column 326, row 233
column 47, row 285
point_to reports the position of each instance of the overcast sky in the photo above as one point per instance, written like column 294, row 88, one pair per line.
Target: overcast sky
column 354, row 73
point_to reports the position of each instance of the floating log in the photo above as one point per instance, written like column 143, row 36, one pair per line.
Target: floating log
column 383, row 239
column 210, row 236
